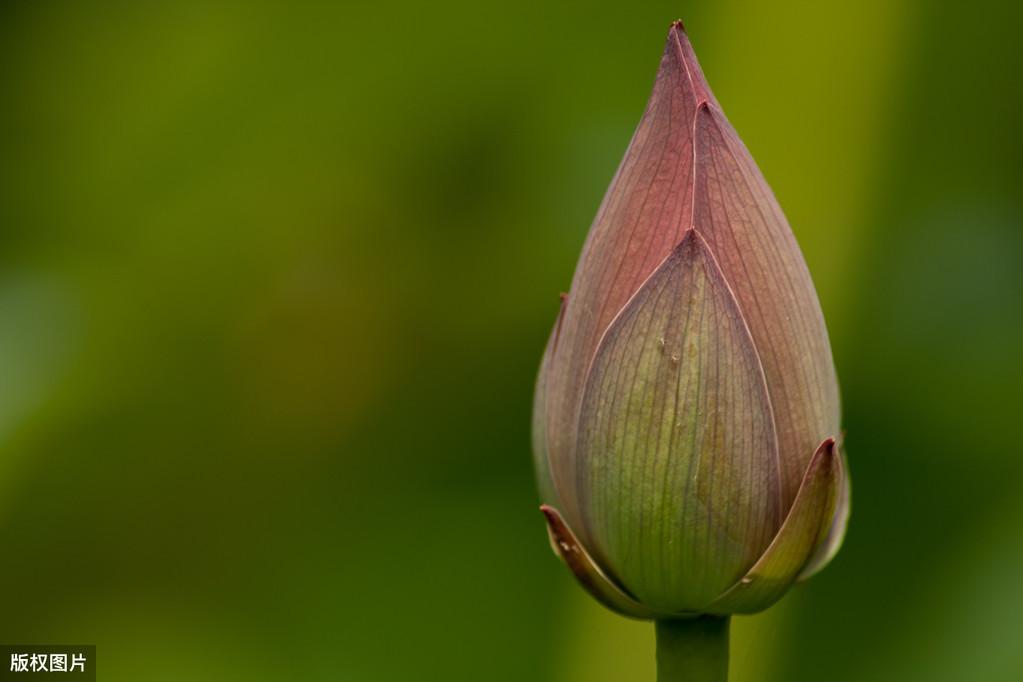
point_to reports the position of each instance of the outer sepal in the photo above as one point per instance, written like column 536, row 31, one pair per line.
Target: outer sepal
column 804, row 527
column 587, row 572
column 832, row 541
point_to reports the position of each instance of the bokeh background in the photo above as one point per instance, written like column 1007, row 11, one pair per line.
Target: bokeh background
column 275, row 280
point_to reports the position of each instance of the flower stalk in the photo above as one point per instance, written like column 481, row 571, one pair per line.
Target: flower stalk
column 693, row 649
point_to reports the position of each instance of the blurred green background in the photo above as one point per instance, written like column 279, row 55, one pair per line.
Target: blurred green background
column 275, row 280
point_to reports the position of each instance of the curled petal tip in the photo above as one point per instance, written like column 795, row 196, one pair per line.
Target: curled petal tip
column 586, row 570
column 551, row 515
column 833, row 533
column 563, row 542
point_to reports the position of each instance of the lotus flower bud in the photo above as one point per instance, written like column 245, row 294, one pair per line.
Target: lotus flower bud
column 686, row 419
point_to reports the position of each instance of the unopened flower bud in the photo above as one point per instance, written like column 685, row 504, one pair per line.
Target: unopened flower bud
column 687, row 418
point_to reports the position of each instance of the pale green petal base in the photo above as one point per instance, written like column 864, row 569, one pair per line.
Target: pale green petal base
column 805, row 529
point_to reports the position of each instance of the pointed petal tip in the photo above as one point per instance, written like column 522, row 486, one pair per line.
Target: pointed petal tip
column 825, row 462
column 684, row 58
column 563, row 541
column 549, row 513
column 826, row 455
column 551, row 517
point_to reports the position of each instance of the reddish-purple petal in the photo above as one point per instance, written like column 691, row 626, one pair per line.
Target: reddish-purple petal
column 738, row 215
column 643, row 216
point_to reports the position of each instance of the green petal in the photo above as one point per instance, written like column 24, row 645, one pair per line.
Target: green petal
column 678, row 465
column 807, row 522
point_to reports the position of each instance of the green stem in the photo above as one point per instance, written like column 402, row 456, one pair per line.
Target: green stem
column 693, row 649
